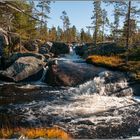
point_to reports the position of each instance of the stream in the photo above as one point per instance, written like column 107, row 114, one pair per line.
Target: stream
column 89, row 110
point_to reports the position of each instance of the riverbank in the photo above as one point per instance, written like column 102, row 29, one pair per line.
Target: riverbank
column 112, row 56
column 116, row 63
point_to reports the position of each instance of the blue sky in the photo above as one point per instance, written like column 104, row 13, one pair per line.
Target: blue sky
column 79, row 13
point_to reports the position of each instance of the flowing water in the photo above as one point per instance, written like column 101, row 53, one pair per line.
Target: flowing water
column 90, row 110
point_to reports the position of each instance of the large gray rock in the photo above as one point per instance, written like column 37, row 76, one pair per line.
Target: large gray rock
column 59, row 48
column 22, row 68
column 15, row 56
column 70, row 74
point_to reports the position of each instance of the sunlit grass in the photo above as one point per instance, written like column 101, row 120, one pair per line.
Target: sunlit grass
column 113, row 61
column 6, row 133
column 116, row 62
column 32, row 133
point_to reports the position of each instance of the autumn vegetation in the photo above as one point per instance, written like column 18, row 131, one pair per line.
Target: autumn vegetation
column 32, row 133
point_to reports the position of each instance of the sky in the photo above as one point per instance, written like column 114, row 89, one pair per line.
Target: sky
column 79, row 13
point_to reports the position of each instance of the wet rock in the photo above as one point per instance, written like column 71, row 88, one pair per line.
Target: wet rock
column 136, row 89
column 22, row 68
column 60, row 48
column 81, row 49
column 70, row 74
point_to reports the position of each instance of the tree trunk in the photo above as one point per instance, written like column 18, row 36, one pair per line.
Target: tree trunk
column 42, row 18
column 103, row 32
column 95, row 34
column 128, row 31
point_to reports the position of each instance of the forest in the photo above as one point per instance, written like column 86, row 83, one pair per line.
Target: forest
column 29, row 20
column 67, row 82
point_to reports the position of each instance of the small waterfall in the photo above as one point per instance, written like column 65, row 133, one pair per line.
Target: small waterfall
column 44, row 73
column 72, row 56
column 71, row 49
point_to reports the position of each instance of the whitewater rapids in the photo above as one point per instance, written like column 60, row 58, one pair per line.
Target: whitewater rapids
column 100, row 108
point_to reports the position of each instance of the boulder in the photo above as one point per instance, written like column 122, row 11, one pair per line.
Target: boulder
column 45, row 48
column 31, row 46
column 23, row 68
column 82, row 49
column 107, row 49
column 8, row 62
column 59, row 48
column 15, row 56
column 70, row 74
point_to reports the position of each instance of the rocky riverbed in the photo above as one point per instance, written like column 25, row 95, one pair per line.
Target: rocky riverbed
column 87, row 101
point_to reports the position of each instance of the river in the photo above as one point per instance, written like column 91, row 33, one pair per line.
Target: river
column 88, row 110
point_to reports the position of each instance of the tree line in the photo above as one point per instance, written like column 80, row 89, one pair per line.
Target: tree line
column 29, row 19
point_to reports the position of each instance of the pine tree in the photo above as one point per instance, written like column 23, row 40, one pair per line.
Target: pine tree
column 105, row 22
column 66, row 24
column 23, row 24
column 114, row 26
column 116, row 22
column 44, row 6
column 73, row 33
column 59, row 34
column 53, row 34
column 128, row 11
column 82, row 35
column 85, row 37
column 97, row 18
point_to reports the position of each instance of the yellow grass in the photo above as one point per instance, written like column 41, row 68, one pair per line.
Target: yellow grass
column 113, row 61
column 33, row 133
column 6, row 133
column 117, row 63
